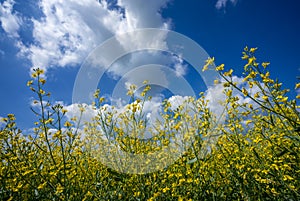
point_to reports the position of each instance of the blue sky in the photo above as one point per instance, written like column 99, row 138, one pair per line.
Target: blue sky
column 59, row 35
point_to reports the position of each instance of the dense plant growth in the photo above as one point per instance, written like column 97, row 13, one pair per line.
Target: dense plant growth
column 253, row 153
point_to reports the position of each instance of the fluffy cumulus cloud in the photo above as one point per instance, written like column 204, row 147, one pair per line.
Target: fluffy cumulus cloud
column 221, row 4
column 74, row 110
column 153, row 108
column 10, row 21
column 69, row 30
column 141, row 14
column 216, row 96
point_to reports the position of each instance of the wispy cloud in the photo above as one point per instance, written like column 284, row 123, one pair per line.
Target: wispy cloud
column 10, row 21
column 2, row 53
column 221, row 4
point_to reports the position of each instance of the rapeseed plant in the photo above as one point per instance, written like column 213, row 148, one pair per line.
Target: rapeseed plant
column 252, row 155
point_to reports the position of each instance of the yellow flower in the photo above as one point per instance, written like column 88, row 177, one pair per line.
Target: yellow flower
column 11, row 198
column 57, row 134
column 208, row 62
column 248, row 121
column 189, row 180
column 49, row 121
column 252, row 50
column 41, row 186
column 40, row 71
column 250, row 84
column 205, row 67
column 164, row 190
column 251, row 59
column 67, row 124
column 42, row 92
column 265, row 98
column 287, row 177
column 34, row 75
column 43, row 81
column 176, row 115
column 177, row 126
column 11, row 117
column 102, row 99
column 229, row 73
column 297, row 85
column 284, row 99
column 29, row 83
column 27, row 172
column 250, row 62
column 245, row 92
column 226, row 84
column 130, row 92
column 268, row 80
column 96, row 94
column 136, row 194
column 87, row 195
column 59, row 189
column 265, row 64
column 229, row 93
column 274, row 191
column 220, row 67
column 245, row 56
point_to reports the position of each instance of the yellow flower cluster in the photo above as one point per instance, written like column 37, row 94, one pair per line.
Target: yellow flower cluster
column 253, row 155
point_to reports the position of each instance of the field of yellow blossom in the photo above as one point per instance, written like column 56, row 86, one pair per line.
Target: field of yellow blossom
column 254, row 156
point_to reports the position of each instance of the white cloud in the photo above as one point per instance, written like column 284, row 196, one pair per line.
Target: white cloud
column 176, row 101
column 74, row 111
column 221, row 4
column 154, row 108
column 70, row 29
column 141, row 14
column 67, row 32
column 10, row 21
column 215, row 95
column 180, row 69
